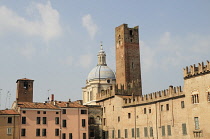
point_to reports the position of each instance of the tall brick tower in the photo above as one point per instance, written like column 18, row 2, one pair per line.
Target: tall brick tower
column 127, row 56
column 24, row 91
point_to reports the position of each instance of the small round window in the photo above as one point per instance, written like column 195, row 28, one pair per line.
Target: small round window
column 108, row 81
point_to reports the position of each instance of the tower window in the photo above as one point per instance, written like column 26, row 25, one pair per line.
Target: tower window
column 25, row 85
column 108, row 81
column 131, row 32
column 132, row 65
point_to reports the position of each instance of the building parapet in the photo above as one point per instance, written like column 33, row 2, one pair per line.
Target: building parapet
column 153, row 97
column 193, row 70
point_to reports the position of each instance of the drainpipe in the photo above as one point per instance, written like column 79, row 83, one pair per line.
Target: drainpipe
column 14, row 128
column 60, row 123
column 78, row 124
column 135, row 123
column 156, row 120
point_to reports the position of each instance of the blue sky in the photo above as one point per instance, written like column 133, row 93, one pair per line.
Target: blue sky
column 55, row 43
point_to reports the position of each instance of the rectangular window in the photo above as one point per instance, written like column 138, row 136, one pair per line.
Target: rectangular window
column 84, row 135
column 91, row 120
column 56, row 120
column 44, row 132
column 104, row 109
column 195, row 98
column 104, row 121
column 9, row 131
column 129, row 115
column 64, row 136
column 119, row 134
column 137, row 132
column 38, row 112
column 23, row 132
column 57, row 132
column 132, row 132
column 112, row 133
column 150, row 110
column 145, row 110
column 184, row 129
column 151, row 131
column 9, row 120
column 208, row 96
column 83, row 122
column 83, row 111
column 64, row 111
column 23, row 120
column 169, row 130
column 118, row 118
column 70, row 136
column 64, row 123
column 196, row 122
column 182, row 104
column 38, row 119
column 126, row 133
column 92, row 133
column 145, row 132
column 163, row 131
column 167, row 107
column 44, row 112
column 161, row 107
column 44, row 120
column 37, row 132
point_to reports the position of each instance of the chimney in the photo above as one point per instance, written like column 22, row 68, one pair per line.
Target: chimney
column 52, row 97
column 69, row 100
column 67, row 104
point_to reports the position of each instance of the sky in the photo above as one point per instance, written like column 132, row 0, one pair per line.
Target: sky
column 55, row 43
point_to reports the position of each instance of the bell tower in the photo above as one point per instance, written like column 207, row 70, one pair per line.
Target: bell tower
column 24, row 91
column 127, row 56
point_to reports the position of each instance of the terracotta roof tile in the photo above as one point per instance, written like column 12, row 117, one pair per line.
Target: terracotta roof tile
column 8, row 112
column 69, row 104
column 35, row 105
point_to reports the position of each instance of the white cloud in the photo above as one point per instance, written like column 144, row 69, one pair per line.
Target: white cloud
column 91, row 27
column 27, row 51
column 85, row 60
column 47, row 26
column 170, row 51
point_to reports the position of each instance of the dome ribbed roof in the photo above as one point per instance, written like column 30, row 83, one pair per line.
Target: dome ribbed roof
column 102, row 72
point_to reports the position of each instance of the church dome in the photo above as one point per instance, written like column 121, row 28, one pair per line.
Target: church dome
column 101, row 72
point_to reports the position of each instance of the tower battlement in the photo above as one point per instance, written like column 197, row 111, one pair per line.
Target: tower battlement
column 193, row 70
column 133, row 88
column 171, row 92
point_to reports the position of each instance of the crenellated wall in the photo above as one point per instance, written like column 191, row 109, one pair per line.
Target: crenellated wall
column 193, row 70
column 171, row 92
column 133, row 88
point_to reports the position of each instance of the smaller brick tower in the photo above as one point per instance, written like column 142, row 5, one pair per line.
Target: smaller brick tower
column 128, row 57
column 24, row 91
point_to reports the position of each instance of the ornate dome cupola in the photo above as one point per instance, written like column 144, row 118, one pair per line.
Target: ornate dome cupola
column 101, row 57
column 99, row 79
column 101, row 71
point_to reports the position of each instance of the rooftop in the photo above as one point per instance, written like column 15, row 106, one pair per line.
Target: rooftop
column 36, row 105
column 8, row 112
column 63, row 104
